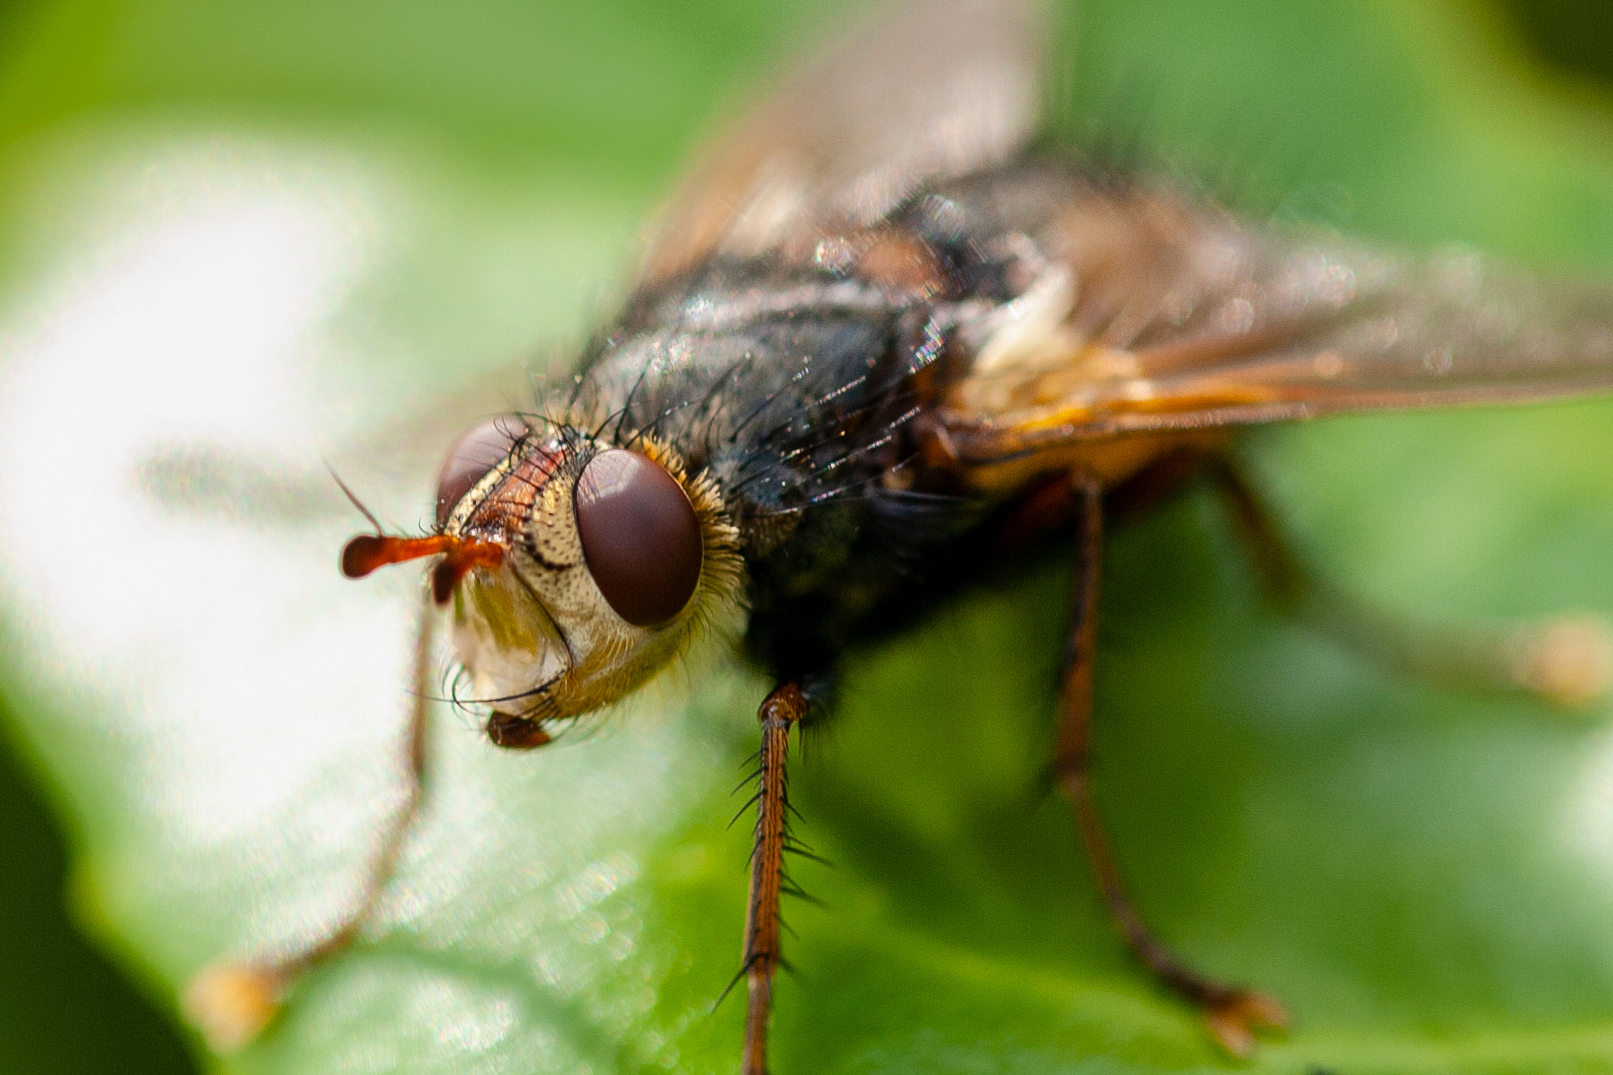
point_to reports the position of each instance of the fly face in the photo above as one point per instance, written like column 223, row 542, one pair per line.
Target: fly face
column 575, row 569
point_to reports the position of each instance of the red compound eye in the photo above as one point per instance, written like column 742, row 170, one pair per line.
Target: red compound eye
column 639, row 535
column 472, row 456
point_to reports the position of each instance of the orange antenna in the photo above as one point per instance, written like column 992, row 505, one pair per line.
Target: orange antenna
column 367, row 552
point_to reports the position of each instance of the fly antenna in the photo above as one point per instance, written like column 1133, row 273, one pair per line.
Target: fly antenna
column 352, row 497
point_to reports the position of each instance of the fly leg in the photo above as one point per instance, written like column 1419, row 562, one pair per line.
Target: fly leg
column 781, row 711
column 1567, row 661
column 1234, row 1014
column 230, row 1003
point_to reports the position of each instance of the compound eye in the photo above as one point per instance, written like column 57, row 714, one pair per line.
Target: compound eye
column 639, row 535
column 471, row 457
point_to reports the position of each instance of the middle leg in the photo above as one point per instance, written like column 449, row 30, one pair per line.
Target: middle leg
column 1234, row 1014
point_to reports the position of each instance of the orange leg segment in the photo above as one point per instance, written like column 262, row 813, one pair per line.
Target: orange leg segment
column 785, row 707
column 1234, row 1014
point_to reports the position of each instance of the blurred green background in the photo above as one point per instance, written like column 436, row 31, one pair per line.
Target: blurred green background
column 616, row 91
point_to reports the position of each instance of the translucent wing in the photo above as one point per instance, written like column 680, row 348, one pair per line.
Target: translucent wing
column 930, row 89
column 1155, row 312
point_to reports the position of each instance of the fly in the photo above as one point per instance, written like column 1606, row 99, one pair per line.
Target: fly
column 882, row 337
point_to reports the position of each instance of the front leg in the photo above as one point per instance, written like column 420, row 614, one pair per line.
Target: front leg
column 1233, row 1013
column 784, row 708
column 232, row 1002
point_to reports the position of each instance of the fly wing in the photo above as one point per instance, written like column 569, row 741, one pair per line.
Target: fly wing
column 1154, row 312
column 927, row 90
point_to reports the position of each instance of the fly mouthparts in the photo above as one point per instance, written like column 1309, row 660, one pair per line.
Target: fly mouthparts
column 366, row 552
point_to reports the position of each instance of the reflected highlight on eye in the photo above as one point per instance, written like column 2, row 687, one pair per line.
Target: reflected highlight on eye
column 472, row 456
column 639, row 535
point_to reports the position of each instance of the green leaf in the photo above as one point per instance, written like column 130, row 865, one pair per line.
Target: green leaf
column 243, row 237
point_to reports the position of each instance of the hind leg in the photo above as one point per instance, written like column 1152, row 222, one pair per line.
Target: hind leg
column 1567, row 661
